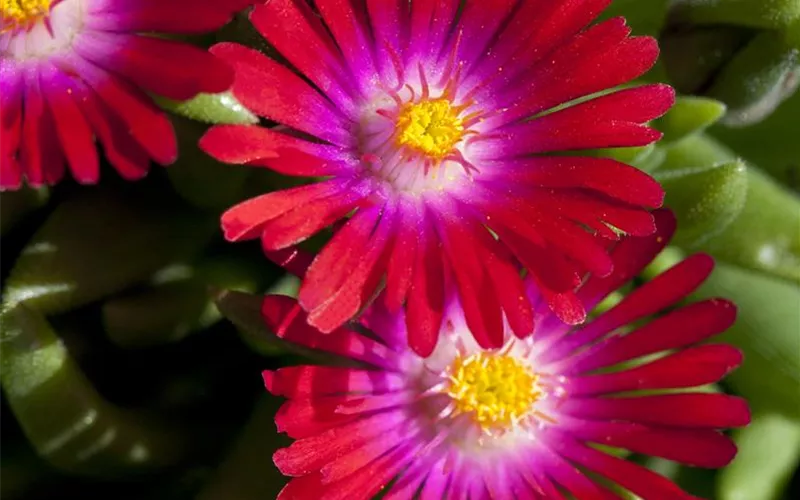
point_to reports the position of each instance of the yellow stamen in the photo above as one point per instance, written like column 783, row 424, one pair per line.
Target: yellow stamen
column 432, row 127
column 496, row 390
column 23, row 13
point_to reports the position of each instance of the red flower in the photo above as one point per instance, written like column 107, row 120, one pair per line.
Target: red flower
column 428, row 126
column 75, row 70
column 521, row 421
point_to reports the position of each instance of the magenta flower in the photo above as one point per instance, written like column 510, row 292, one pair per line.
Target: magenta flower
column 72, row 71
column 425, row 130
column 519, row 421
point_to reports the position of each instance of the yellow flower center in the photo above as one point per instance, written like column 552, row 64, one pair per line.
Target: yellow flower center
column 22, row 13
column 431, row 127
column 496, row 390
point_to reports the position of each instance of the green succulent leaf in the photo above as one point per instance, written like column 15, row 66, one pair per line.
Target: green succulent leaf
column 97, row 243
column 766, row 235
column 757, row 79
column 769, row 452
column 210, row 108
column 65, row 420
column 15, row 205
column 767, row 333
column 200, row 179
column 769, row 14
column 689, row 116
column 645, row 18
column 705, row 200
column 771, row 144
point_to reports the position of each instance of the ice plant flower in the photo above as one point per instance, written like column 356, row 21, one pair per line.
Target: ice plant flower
column 522, row 421
column 72, row 71
column 428, row 127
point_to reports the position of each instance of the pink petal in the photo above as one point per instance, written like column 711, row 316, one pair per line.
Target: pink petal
column 349, row 26
column 11, row 103
column 165, row 17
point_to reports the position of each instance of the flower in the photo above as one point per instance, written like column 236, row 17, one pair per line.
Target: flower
column 427, row 132
column 522, row 421
column 73, row 70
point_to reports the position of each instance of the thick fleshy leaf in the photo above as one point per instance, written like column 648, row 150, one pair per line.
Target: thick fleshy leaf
column 769, row 451
column 753, row 13
column 767, row 333
column 64, row 418
column 58, row 269
column 755, row 82
column 690, row 115
column 705, row 200
column 210, row 108
column 764, row 237
column 15, row 205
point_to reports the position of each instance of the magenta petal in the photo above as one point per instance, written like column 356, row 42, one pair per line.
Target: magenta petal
column 426, row 296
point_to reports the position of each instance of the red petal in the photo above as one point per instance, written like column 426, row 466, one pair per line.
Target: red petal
column 679, row 328
column 695, row 447
column 691, row 367
column 352, row 293
column 701, row 410
column 571, row 71
column 349, row 26
column 425, row 306
column 11, row 100
column 41, row 155
column 610, row 177
column 175, row 16
column 535, row 29
column 166, row 67
column 401, row 263
column 308, row 45
column 309, row 380
column 630, row 256
column 255, row 145
column 246, row 220
column 664, row 291
column 285, row 316
column 77, row 140
column 633, row 477
column 275, row 92
column 147, row 124
column 482, row 310
column 310, row 454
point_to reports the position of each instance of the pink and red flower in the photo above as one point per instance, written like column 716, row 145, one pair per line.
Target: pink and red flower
column 522, row 421
column 76, row 71
column 429, row 127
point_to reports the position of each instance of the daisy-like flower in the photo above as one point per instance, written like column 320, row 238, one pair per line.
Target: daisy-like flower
column 427, row 126
column 72, row 71
column 522, row 421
